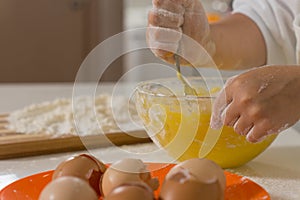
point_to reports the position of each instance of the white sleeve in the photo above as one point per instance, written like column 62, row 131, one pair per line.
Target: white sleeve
column 275, row 20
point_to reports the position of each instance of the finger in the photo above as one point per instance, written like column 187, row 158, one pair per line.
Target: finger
column 196, row 26
column 163, row 42
column 165, row 55
column 220, row 103
column 258, row 132
column 193, row 6
column 223, row 99
column 163, row 49
column 164, row 35
column 174, row 6
column 165, row 18
column 242, row 126
column 196, row 54
column 230, row 114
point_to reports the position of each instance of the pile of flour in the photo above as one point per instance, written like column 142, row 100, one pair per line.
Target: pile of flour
column 84, row 116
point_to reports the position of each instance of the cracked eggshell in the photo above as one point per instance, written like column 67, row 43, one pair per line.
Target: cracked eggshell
column 68, row 188
column 131, row 191
column 82, row 166
column 192, row 178
column 203, row 170
column 127, row 170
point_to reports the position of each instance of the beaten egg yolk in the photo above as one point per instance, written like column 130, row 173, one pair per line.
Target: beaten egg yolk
column 180, row 126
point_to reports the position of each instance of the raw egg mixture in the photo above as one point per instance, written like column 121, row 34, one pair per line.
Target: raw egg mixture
column 180, row 124
column 85, row 177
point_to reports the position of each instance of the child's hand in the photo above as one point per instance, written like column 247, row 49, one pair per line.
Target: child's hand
column 259, row 102
column 168, row 20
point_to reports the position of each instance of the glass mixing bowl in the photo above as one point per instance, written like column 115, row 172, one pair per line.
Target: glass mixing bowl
column 179, row 123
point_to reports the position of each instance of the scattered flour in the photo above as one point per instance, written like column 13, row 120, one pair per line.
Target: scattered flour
column 93, row 116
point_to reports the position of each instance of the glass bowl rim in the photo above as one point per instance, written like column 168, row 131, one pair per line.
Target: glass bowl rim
column 140, row 88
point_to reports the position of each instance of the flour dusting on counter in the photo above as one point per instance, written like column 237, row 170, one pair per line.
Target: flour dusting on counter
column 56, row 117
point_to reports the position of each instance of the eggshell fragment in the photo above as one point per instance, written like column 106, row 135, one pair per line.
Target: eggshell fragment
column 203, row 170
column 131, row 191
column 194, row 179
column 127, row 170
column 82, row 166
column 68, row 188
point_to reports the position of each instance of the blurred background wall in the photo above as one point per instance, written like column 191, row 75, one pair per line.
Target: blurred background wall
column 47, row 40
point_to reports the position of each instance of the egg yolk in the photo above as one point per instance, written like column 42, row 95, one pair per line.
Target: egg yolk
column 179, row 125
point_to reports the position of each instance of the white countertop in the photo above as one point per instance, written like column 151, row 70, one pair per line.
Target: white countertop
column 277, row 169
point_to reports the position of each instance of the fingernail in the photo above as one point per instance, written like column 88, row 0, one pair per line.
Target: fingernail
column 252, row 139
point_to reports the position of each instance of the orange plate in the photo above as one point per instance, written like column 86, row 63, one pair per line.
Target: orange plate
column 238, row 187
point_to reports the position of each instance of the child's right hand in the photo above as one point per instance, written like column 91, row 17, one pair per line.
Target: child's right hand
column 168, row 20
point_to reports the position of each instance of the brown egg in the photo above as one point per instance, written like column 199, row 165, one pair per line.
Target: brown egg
column 131, row 191
column 68, row 188
column 194, row 179
column 127, row 170
column 82, row 166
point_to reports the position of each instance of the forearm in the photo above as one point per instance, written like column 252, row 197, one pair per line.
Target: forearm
column 239, row 43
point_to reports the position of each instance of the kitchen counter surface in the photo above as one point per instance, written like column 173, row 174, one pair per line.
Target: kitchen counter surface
column 277, row 169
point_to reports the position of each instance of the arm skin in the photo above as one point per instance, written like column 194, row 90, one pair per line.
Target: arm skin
column 239, row 43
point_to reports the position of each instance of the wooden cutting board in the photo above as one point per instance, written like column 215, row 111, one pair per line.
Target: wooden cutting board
column 13, row 144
